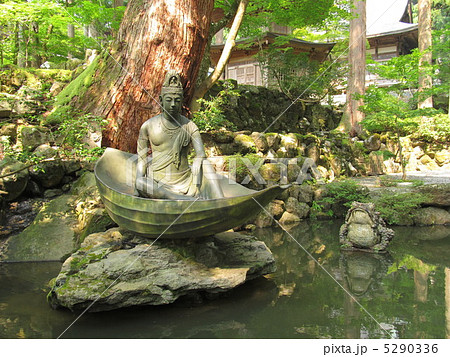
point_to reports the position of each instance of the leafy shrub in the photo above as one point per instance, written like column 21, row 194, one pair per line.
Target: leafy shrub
column 73, row 128
column 345, row 192
column 339, row 195
column 399, row 208
column 433, row 128
column 236, row 162
column 210, row 116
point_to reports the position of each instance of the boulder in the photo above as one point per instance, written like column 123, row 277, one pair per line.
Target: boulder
column 376, row 164
column 85, row 185
column 273, row 172
column 117, row 269
column 14, row 184
column 425, row 160
column 71, row 166
column 300, row 209
column 273, row 140
column 290, row 143
column 373, row 143
column 260, row 141
column 30, row 137
column 56, row 88
column 313, row 152
column 294, row 171
column 49, row 173
column 6, row 109
column 442, row 157
column 9, row 129
column 274, row 210
column 245, row 143
column 60, row 225
column 306, row 193
column 436, row 194
column 51, row 236
column 429, row 216
column 289, row 218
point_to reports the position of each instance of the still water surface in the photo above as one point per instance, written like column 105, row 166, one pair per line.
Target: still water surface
column 405, row 294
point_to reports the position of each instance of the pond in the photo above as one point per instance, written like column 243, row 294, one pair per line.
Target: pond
column 403, row 294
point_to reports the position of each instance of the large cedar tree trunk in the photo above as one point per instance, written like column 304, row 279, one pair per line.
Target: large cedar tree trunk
column 155, row 35
column 357, row 65
column 425, row 81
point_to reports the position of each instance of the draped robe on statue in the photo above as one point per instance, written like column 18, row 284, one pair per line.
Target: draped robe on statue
column 167, row 164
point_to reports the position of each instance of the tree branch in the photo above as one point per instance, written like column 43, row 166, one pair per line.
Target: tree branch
column 201, row 90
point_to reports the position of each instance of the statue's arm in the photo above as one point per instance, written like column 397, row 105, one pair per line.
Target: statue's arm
column 142, row 151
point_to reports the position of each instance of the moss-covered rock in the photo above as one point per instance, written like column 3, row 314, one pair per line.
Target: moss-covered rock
column 436, row 194
column 30, row 137
column 76, row 88
column 245, row 143
column 118, row 269
column 12, row 185
column 51, row 236
column 50, row 173
column 429, row 216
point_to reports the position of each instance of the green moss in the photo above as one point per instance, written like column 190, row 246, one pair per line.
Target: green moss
column 84, row 257
column 236, row 161
column 77, row 88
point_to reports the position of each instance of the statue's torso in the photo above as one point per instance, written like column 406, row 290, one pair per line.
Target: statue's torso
column 162, row 139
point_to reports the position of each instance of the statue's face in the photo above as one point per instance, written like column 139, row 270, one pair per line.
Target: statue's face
column 171, row 104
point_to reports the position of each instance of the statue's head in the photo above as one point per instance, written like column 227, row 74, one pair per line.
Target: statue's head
column 171, row 97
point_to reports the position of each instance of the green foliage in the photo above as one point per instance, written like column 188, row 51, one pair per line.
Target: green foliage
column 399, row 208
column 345, row 192
column 310, row 80
column 339, row 193
column 386, row 112
column 35, row 31
column 14, row 152
column 333, row 28
column 77, row 87
column 260, row 14
column 71, row 131
column 237, row 163
column 210, row 116
column 433, row 128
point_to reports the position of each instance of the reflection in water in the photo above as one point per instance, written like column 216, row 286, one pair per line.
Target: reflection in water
column 362, row 274
column 407, row 292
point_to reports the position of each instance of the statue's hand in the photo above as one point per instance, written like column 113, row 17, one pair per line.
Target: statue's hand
column 196, row 170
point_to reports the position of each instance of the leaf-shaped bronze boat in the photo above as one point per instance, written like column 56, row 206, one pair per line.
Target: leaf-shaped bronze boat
column 115, row 175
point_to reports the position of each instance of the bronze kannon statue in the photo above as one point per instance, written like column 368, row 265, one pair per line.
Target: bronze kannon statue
column 152, row 195
column 166, row 173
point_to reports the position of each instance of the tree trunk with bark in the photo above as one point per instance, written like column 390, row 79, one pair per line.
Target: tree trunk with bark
column 224, row 57
column 154, row 36
column 357, row 74
column 425, row 81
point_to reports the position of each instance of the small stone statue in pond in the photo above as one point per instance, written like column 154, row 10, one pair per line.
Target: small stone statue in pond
column 166, row 173
column 364, row 229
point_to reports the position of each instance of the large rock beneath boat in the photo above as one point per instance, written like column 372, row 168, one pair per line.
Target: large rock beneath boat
column 117, row 269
